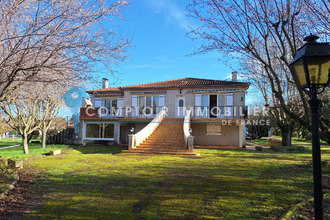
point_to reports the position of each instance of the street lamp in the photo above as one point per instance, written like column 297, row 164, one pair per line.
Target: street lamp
column 312, row 69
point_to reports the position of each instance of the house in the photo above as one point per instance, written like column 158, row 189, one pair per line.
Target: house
column 167, row 116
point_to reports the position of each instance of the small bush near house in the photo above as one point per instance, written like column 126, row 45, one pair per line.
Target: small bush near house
column 274, row 142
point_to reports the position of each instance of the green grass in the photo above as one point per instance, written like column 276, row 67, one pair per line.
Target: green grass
column 102, row 183
column 16, row 153
column 9, row 142
column 260, row 141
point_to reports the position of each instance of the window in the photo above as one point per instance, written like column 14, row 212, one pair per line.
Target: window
column 155, row 103
column 213, row 129
column 141, row 104
column 181, row 103
column 92, row 130
column 148, row 104
column 100, row 130
column 106, row 130
column 111, row 107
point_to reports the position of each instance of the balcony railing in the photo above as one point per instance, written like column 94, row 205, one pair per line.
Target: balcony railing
column 126, row 112
column 222, row 112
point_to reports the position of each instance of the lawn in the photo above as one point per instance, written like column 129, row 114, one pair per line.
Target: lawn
column 16, row 153
column 9, row 142
column 102, row 183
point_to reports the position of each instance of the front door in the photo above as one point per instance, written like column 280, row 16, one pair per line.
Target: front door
column 180, row 106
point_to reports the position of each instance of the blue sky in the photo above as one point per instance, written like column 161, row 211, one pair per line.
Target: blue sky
column 160, row 44
column 158, row 29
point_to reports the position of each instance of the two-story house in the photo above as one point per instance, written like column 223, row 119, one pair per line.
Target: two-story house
column 161, row 116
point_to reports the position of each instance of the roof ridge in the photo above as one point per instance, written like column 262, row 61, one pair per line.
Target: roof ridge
column 155, row 82
column 176, row 83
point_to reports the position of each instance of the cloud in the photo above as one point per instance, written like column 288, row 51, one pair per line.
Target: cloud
column 173, row 14
column 137, row 66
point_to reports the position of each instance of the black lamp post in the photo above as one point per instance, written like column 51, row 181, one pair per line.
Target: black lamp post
column 312, row 68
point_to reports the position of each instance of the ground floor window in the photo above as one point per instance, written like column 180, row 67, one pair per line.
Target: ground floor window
column 213, row 129
column 100, row 130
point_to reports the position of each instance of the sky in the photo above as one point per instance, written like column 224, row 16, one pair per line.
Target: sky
column 160, row 47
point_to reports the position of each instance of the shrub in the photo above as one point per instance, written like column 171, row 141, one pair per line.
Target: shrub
column 274, row 142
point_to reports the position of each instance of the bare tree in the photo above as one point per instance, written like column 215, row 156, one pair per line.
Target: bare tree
column 49, row 104
column 259, row 78
column 4, row 127
column 269, row 34
column 22, row 113
column 57, row 41
column 28, row 109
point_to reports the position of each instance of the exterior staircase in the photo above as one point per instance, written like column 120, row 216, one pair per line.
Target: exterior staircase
column 168, row 138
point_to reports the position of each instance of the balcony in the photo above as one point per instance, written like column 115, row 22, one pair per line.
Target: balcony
column 128, row 112
column 197, row 112
column 219, row 112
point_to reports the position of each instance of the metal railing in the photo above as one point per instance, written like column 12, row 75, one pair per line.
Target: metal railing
column 222, row 112
column 125, row 112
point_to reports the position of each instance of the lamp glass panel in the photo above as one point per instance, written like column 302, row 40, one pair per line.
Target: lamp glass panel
column 299, row 68
column 318, row 68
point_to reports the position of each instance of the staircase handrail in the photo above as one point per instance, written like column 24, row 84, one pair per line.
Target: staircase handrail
column 150, row 128
column 186, row 126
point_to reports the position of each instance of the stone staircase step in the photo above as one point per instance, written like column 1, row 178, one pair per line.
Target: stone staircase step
column 162, row 148
column 168, row 138
column 170, row 152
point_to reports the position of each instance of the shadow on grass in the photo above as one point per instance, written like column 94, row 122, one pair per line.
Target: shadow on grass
column 99, row 149
column 176, row 191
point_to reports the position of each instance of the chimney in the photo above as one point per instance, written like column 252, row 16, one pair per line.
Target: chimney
column 234, row 76
column 105, row 83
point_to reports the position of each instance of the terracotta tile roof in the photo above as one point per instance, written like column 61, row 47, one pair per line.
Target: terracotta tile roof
column 176, row 83
column 112, row 90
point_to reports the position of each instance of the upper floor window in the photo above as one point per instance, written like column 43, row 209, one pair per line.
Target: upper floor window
column 97, row 102
column 148, row 104
column 111, row 106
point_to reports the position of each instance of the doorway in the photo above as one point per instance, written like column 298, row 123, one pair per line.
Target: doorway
column 213, row 106
column 180, row 107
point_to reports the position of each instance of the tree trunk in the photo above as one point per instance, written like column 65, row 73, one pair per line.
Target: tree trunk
column 286, row 137
column 44, row 136
column 29, row 137
column 25, row 144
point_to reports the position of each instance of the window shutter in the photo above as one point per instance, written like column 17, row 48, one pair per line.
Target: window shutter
column 134, row 105
column 229, row 104
column 230, row 99
column 198, row 105
column 161, row 101
column 221, row 104
column 97, row 103
column 120, row 107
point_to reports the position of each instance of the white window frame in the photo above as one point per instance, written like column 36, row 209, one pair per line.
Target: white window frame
column 145, row 103
column 93, row 139
column 213, row 129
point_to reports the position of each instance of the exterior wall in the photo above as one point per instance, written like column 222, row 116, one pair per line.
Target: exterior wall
column 171, row 99
column 239, row 98
column 139, row 126
column 170, row 102
column 229, row 135
column 127, row 99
